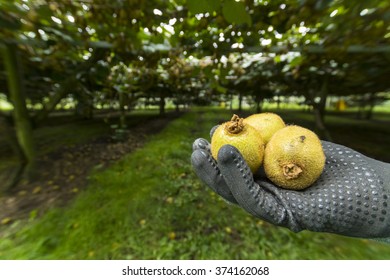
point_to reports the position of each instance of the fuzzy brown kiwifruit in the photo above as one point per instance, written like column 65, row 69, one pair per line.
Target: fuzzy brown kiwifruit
column 242, row 136
column 294, row 158
column 266, row 123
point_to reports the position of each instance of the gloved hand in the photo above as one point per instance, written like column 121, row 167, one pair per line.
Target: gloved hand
column 350, row 198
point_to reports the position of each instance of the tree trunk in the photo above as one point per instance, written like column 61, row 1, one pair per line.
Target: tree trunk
column 240, row 97
column 319, row 109
column 320, row 124
column 177, row 107
column 54, row 100
column 278, row 102
column 162, row 104
column 20, row 114
column 122, row 110
column 259, row 102
column 371, row 105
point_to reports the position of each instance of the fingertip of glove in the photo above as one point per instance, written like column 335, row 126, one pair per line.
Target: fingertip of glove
column 213, row 130
column 200, row 144
column 227, row 154
column 198, row 158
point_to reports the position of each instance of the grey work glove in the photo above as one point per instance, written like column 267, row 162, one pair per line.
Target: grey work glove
column 350, row 198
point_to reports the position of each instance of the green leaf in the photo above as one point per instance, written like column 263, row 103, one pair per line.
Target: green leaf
column 221, row 89
column 100, row 44
column 297, row 61
column 322, row 4
column 208, row 71
column 203, row 6
column 60, row 34
column 8, row 22
column 44, row 12
column 235, row 12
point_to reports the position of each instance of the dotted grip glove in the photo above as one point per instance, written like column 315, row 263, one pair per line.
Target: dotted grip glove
column 350, row 198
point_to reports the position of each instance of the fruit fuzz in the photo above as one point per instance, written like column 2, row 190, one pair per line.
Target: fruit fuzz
column 242, row 136
column 293, row 158
column 266, row 123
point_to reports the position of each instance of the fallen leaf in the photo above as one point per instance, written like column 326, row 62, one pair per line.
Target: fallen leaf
column 172, row 235
column 37, row 190
column 6, row 221
column 22, row 193
column 91, row 254
column 228, row 230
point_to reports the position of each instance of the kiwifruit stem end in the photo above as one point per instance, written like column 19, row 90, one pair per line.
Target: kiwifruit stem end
column 235, row 125
column 291, row 171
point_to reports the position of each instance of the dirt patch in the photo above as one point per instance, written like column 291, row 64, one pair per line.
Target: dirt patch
column 64, row 172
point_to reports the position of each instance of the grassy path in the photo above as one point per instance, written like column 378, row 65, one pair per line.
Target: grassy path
column 150, row 205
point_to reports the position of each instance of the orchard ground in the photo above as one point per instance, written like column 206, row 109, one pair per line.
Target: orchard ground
column 139, row 199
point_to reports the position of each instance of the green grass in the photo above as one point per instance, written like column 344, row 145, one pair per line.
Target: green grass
column 150, row 205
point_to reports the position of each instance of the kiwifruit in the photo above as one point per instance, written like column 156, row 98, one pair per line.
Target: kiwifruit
column 266, row 123
column 294, row 158
column 242, row 136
